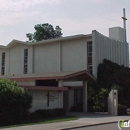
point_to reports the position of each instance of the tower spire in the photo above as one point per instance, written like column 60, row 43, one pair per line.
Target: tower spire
column 124, row 22
column 124, row 18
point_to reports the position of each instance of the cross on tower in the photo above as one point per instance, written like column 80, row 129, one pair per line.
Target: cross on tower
column 124, row 18
column 124, row 21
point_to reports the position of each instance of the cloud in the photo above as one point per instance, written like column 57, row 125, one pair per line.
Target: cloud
column 14, row 11
column 18, row 5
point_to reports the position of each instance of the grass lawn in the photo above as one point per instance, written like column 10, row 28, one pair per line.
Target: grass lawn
column 49, row 120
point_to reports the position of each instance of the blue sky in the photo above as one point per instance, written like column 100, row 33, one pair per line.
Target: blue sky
column 18, row 17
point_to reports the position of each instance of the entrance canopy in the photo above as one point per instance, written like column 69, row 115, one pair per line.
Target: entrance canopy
column 65, row 76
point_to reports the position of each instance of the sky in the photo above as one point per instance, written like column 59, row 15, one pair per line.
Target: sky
column 18, row 17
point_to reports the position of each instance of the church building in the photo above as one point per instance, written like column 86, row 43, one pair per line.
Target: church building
column 56, row 71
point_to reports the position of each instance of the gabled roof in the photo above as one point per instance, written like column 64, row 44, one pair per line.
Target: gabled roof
column 15, row 42
column 66, row 76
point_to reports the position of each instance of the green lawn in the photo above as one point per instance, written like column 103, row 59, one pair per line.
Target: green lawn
column 51, row 120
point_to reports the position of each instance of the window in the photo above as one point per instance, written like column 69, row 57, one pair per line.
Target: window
column 3, row 64
column 46, row 83
column 89, row 56
column 75, row 96
column 47, row 99
column 25, row 61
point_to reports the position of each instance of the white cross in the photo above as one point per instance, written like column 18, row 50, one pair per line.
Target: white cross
column 124, row 21
column 124, row 18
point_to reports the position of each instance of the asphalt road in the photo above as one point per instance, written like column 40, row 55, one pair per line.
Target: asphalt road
column 102, row 127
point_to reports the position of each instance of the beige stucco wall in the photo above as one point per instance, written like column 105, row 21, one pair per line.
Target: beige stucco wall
column 66, row 55
column 40, row 100
column 70, row 55
column 107, row 48
column 46, row 58
column 74, row 55
column 117, row 33
column 26, row 83
column 16, row 59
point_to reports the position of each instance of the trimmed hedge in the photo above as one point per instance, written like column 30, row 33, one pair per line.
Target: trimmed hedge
column 47, row 113
column 122, row 109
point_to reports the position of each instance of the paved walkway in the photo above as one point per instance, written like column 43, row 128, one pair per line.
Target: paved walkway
column 84, row 120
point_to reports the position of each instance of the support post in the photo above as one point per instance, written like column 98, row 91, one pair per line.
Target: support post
column 84, row 96
column 60, row 94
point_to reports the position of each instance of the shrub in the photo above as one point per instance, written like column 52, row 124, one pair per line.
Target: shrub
column 122, row 109
column 59, row 112
column 47, row 113
column 14, row 103
column 100, row 103
column 43, row 113
column 35, row 116
column 110, row 74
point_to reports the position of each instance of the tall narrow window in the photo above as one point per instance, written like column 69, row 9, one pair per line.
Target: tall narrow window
column 47, row 99
column 3, row 64
column 75, row 96
column 25, row 61
column 89, row 56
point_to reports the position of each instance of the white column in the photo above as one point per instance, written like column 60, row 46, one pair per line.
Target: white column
column 60, row 94
column 84, row 96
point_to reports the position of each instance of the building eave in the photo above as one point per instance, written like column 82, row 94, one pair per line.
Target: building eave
column 15, row 42
column 66, row 76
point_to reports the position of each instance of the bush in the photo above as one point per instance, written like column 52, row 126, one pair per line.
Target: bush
column 14, row 103
column 47, row 113
column 110, row 74
column 59, row 112
column 100, row 103
column 35, row 116
column 122, row 109
column 43, row 113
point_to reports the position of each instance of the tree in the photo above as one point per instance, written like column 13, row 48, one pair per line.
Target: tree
column 111, row 74
column 101, row 100
column 14, row 103
column 44, row 32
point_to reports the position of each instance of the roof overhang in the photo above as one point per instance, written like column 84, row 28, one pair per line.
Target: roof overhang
column 45, row 88
column 65, row 76
column 15, row 42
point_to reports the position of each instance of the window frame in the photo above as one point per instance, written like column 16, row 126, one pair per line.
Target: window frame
column 25, row 66
column 89, row 56
column 3, row 63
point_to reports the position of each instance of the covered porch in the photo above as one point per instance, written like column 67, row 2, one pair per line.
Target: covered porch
column 52, row 89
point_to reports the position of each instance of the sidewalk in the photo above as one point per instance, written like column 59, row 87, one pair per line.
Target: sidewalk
column 84, row 120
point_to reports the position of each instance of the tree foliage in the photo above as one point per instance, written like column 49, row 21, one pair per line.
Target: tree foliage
column 97, row 97
column 44, row 32
column 111, row 74
column 14, row 102
column 100, row 102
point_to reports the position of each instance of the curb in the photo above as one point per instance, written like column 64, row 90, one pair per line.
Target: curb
column 75, row 127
